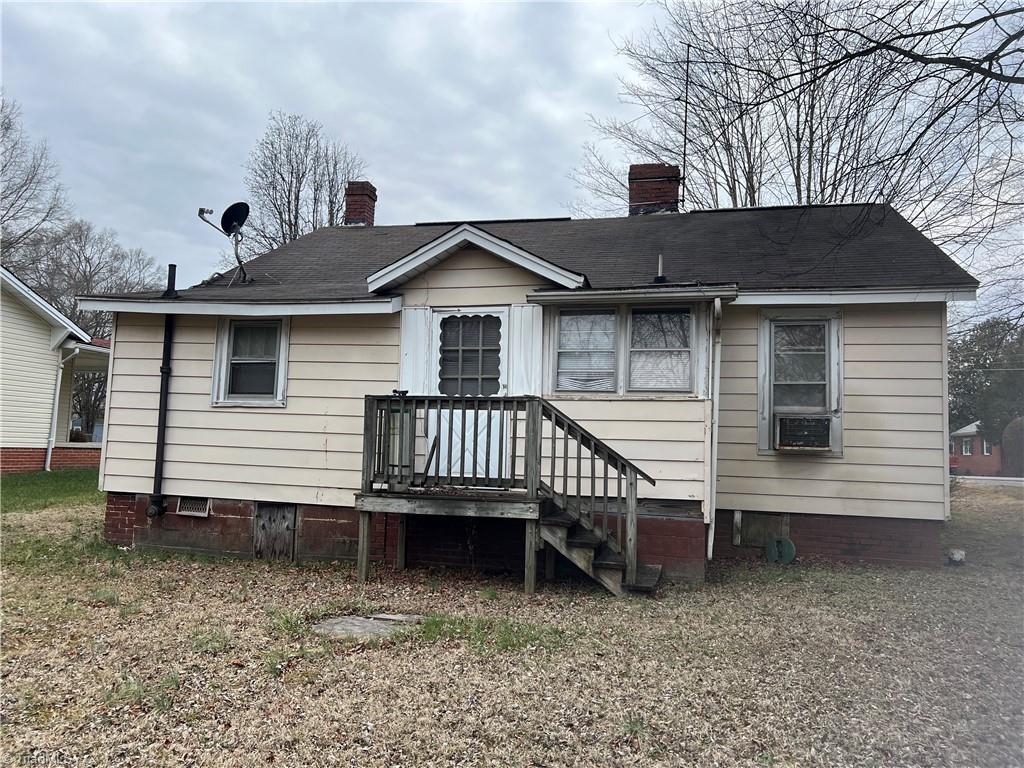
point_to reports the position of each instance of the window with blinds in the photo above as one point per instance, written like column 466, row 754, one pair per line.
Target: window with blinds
column 659, row 350
column 799, row 367
column 586, row 351
column 252, row 361
column 799, row 374
column 470, row 361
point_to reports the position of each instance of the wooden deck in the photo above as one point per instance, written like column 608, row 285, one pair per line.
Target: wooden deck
column 504, row 457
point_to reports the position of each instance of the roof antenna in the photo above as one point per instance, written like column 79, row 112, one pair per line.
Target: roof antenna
column 660, row 277
column 231, row 222
column 686, row 124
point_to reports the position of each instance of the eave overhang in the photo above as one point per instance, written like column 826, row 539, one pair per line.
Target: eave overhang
column 372, row 306
column 652, row 294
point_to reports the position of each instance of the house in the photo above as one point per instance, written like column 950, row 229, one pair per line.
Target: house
column 41, row 350
column 972, row 454
column 628, row 396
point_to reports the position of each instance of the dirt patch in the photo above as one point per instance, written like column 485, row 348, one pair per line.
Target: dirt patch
column 124, row 659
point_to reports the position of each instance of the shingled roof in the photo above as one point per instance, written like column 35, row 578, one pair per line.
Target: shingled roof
column 862, row 246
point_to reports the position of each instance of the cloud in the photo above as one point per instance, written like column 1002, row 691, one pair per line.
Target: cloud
column 461, row 111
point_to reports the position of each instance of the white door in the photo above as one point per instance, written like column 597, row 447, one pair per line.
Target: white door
column 469, row 358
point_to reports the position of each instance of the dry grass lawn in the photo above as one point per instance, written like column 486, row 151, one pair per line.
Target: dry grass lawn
column 112, row 658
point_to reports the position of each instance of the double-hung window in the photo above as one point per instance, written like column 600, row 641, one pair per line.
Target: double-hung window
column 967, row 446
column 798, row 396
column 587, row 351
column 659, row 350
column 624, row 349
column 251, row 361
column 986, row 447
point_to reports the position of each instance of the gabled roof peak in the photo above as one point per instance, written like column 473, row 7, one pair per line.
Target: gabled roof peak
column 438, row 249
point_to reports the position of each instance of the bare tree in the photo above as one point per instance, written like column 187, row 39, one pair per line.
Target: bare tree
column 81, row 259
column 296, row 177
column 739, row 138
column 31, row 197
column 806, row 101
column 959, row 39
column 954, row 119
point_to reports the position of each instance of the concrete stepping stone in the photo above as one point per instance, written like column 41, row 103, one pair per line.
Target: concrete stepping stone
column 366, row 627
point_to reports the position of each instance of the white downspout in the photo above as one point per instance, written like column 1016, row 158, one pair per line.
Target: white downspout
column 716, row 367
column 56, row 404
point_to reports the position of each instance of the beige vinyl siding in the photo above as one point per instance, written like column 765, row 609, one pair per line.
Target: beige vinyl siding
column 894, row 451
column 667, row 439
column 28, row 373
column 470, row 277
column 307, row 452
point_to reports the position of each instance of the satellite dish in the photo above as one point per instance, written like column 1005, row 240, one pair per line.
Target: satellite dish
column 231, row 225
column 234, row 217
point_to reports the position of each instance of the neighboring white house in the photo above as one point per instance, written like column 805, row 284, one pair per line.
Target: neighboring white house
column 40, row 352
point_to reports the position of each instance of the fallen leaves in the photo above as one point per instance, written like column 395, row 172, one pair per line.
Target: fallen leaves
column 821, row 665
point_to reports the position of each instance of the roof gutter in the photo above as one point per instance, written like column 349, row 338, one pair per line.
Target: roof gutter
column 856, row 296
column 385, row 305
column 635, row 295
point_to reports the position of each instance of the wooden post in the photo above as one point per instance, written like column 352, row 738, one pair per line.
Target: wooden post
column 363, row 555
column 549, row 561
column 369, row 441
column 631, row 526
column 533, row 439
column 531, row 556
column 400, row 544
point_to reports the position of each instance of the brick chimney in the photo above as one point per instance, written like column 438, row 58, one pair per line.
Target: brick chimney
column 360, row 202
column 653, row 188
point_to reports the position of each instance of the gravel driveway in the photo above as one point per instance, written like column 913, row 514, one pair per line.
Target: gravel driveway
column 111, row 658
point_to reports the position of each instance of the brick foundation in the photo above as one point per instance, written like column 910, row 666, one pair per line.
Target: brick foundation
column 331, row 533
column 17, row 460
column 677, row 543
column 886, row 541
column 75, row 458
column 321, row 532
column 14, row 460
column 119, row 520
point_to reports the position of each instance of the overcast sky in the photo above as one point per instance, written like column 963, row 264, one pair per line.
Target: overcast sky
column 461, row 112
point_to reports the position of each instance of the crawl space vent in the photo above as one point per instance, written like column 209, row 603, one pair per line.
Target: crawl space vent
column 194, row 506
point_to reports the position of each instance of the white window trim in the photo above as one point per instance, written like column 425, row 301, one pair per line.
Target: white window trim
column 967, row 446
column 219, row 396
column 986, row 447
column 623, row 316
column 434, row 355
column 834, row 356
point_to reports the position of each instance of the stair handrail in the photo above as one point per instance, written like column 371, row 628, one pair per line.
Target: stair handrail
column 594, row 440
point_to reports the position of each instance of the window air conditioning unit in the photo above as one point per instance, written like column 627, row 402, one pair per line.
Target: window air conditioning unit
column 803, row 433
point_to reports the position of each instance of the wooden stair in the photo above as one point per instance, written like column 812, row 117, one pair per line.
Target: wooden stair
column 523, row 448
column 593, row 550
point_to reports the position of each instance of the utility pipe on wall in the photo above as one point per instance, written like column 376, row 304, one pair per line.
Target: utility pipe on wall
column 156, row 500
column 58, row 380
column 716, row 364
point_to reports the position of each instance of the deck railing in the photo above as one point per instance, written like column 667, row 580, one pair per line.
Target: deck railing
column 521, row 445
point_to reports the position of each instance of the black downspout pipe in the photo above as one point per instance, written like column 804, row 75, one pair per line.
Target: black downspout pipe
column 156, row 500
